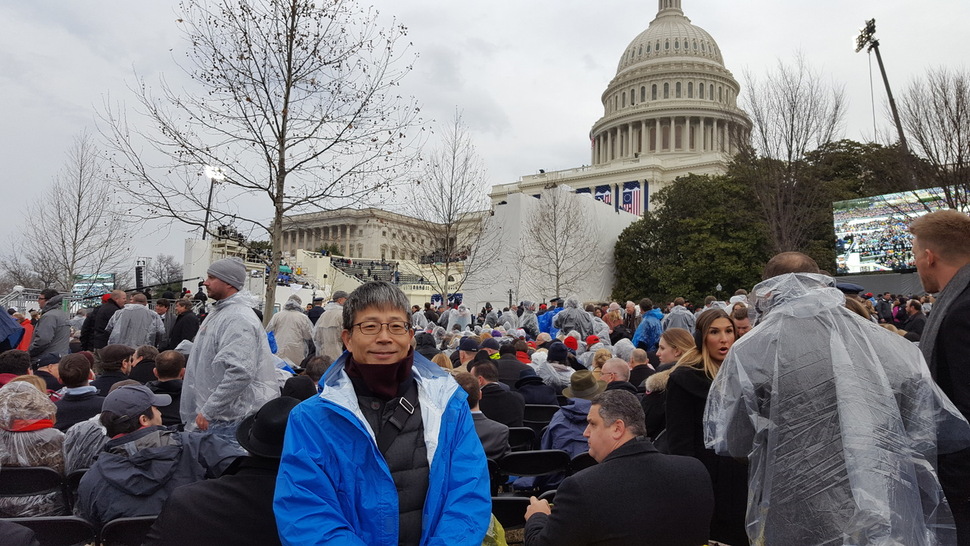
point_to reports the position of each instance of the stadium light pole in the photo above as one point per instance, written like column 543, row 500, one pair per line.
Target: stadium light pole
column 214, row 174
column 866, row 38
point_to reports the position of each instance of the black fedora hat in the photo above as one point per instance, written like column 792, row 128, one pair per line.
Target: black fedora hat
column 261, row 433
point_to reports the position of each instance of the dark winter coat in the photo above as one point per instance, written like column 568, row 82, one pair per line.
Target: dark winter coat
column 687, row 389
column 185, row 328
column 500, row 404
column 74, row 408
column 122, row 484
column 99, row 334
column 236, row 508
column 606, row 503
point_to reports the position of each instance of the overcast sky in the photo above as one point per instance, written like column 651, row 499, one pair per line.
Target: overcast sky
column 527, row 75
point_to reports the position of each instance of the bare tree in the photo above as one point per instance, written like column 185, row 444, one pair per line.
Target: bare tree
column 558, row 238
column 297, row 105
column 164, row 269
column 793, row 111
column 935, row 112
column 86, row 233
column 449, row 204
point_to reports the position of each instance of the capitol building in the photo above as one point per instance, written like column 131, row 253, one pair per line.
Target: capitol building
column 671, row 110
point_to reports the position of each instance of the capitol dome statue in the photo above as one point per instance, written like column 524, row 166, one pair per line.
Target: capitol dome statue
column 670, row 110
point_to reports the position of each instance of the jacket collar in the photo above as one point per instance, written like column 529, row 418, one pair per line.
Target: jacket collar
column 635, row 446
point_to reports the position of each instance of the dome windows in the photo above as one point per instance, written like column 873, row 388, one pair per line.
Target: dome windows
column 700, row 89
column 690, row 90
column 653, row 92
column 677, row 90
column 676, row 44
column 695, row 45
column 666, row 90
column 643, row 93
column 666, row 45
column 648, row 49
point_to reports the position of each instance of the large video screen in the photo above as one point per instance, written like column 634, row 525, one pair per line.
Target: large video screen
column 871, row 234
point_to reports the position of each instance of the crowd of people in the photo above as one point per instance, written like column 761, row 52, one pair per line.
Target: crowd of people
column 801, row 412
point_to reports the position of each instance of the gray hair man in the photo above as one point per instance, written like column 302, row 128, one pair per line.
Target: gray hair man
column 390, row 433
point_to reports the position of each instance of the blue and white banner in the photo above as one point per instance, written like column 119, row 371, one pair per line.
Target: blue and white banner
column 632, row 201
column 604, row 194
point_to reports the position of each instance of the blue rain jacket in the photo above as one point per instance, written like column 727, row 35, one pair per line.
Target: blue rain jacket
column 334, row 486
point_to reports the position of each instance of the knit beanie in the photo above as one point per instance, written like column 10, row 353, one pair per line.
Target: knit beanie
column 557, row 352
column 229, row 270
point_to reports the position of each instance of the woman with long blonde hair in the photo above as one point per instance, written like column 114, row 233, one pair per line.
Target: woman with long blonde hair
column 687, row 388
column 674, row 342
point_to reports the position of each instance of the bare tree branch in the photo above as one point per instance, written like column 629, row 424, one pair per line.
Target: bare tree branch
column 935, row 112
column 450, row 205
column 558, row 238
column 84, row 228
column 298, row 106
column 793, row 112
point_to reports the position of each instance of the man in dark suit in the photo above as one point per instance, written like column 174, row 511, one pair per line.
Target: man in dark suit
column 499, row 403
column 941, row 248
column 236, row 508
column 185, row 327
column 635, row 495
column 494, row 435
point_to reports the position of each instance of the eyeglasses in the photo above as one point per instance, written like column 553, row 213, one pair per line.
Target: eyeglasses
column 395, row 327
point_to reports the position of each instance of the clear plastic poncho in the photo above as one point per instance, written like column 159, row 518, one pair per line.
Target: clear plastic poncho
column 293, row 330
column 840, row 421
column 27, row 438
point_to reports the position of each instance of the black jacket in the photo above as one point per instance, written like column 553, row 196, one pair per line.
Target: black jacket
column 687, row 390
column 509, row 368
column 142, row 372
column 500, row 404
column 636, row 496
column 173, row 388
column 314, row 313
column 104, row 381
column 99, row 337
column 915, row 323
column 74, row 408
column 949, row 368
column 236, row 508
column 185, row 327
column 537, row 392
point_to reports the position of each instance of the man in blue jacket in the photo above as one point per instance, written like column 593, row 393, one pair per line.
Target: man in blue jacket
column 387, row 454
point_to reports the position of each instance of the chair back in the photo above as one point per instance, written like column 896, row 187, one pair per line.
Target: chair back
column 19, row 481
column 71, row 484
column 522, row 439
column 58, row 530
column 539, row 413
column 539, row 462
column 580, row 462
column 510, row 511
column 537, row 417
column 126, row 531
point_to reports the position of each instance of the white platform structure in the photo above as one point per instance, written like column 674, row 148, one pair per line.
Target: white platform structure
column 505, row 270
